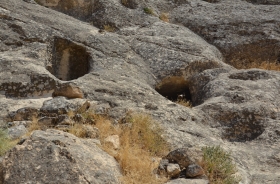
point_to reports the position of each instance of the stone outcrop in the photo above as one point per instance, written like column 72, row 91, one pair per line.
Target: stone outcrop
column 143, row 65
column 243, row 32
column 59, row 157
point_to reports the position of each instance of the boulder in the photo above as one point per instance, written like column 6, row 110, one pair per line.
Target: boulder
column 194, row 170
column 16, row 132
column 113, row 141
column 68, row 90
column 173, row 170
column 69, row 160
column 184, row 157
column 62, row 105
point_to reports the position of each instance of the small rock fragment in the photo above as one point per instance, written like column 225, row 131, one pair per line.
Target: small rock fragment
column 173, row 170
column 194, row 170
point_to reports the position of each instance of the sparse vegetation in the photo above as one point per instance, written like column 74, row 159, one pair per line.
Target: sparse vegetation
column 164, row 17
column 184, row 102
column 149, row 10
column 124, row 2
column 218, row 166
column 109, row 28
column 140, row 142
column 261, row 65
column 5, row 142
column 33, row 126
column 78, row 130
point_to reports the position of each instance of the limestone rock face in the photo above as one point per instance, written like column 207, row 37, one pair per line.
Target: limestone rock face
column 119, row 58
column 59, row 157
column 243, row 31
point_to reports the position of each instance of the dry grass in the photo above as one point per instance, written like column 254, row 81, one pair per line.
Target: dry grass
column 184, row 102
column 124, row 2
column 78, row 130
column 34, row 126
column 5, row 143
column 218, row 166
column 109, row 28
column 164, row 17
column 263, row 65
column 140, row 142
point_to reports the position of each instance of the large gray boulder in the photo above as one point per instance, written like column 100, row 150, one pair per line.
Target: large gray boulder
column 58, row 157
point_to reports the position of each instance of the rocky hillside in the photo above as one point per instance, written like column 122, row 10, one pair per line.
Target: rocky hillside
column 60, row 59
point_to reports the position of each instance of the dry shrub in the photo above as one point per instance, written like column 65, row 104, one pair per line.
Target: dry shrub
column 145, row 133
column 105, row 127
column 140, row 142
column 218, row 166
column 184, row 102
column 164, row 17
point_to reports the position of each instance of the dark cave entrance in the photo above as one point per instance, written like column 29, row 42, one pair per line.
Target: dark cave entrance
column 69, row 60
column 174, row 88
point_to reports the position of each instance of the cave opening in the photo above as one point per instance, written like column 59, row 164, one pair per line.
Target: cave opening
column 69, row 60
column 175, row 88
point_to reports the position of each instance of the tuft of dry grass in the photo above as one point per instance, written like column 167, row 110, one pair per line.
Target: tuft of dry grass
column 34, row 126
column 124, row 2
column 109, row 28
column 184, row 102
column 141, row 141
column 261, row 65
column 78, row 130
column 267, row 66
column 218, row 166
column 164, row 17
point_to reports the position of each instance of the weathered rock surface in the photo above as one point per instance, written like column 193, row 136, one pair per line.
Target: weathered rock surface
column 61, row 105
column 58, row 157
column 244, row 32
column 188, row 181
column 41, row 49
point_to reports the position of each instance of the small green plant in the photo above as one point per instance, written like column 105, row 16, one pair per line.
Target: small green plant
column 5, row 142
column 218, row 166
column 149, row 10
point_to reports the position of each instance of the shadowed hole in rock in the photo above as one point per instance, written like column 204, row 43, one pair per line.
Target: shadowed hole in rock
column 175, row 88
column 69, row 60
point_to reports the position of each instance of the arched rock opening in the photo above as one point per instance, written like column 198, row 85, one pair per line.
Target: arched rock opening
column 174, row 88
column 69, row 60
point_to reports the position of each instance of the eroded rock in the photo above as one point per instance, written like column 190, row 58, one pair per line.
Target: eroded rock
column 70, row 160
